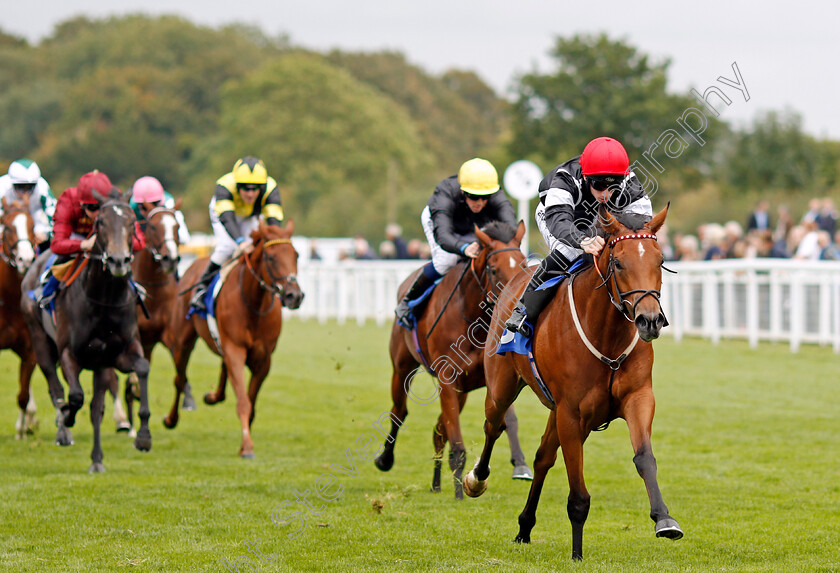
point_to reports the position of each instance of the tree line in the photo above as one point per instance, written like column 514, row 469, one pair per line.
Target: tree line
column 355, row 140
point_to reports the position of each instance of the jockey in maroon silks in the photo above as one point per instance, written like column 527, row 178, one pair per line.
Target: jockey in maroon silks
column 74, row 216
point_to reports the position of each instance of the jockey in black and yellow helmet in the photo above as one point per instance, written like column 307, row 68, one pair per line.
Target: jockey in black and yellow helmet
column 241, row 197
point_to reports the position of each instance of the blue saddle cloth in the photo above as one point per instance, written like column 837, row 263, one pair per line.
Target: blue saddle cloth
column 516, row 341
column 412, row 304
column 209, row 301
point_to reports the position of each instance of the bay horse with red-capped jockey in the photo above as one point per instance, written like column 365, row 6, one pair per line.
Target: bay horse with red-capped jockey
column 589, row 368
column 17, row 254
column 449, row 340
column 249, row 321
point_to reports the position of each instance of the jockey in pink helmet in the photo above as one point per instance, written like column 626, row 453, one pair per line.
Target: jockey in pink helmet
column 148, row 193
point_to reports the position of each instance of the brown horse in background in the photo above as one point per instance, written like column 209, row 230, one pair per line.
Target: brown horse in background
column 586, row 388
column 454, row 349
column 248, row 318
column 154, row 268
column 17, row 254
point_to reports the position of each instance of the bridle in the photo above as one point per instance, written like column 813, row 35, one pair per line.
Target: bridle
column 277, row 287
column 10, row 256
column 103, row 256
column 488, row 292
column 155, row 249
column 622, row 304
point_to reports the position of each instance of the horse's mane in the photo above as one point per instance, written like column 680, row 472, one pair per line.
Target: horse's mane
column 499, row 231
column 633, row 221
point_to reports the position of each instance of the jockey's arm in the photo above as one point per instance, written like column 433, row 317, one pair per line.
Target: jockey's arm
column 501, row 206
column 560, row 217
column 272, row 209
column 63, row 243
column 224, row 209
column 445, row 236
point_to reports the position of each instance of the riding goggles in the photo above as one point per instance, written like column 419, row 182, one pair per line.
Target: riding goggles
column 91, row 206
column 604, row 182
column 472, row 197
column 24, row 187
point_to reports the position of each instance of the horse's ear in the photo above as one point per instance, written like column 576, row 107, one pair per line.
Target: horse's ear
column 290, row 226
column 178, row 203
column 658, row 219
column 124, row 196
column 483, row 237
column 98, row 196
column 609, row 223
column 520, row 232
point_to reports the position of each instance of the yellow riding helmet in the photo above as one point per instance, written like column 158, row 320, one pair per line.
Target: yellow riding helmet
column 250, row 170
column 478, row 177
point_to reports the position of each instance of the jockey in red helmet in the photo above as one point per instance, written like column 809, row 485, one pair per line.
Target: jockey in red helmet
column 569, row 199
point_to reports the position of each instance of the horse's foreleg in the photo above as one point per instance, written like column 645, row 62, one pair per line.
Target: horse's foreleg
column 451, row 403
column 218, row 395
column 638, row 411
column 571, row 440
column 439, row 441
column 502, row 390
column 26, row 422
column 404, row 370
column 132, row 360
column 181, row 353
column 102, row 382
column 120, row 418
column 75, row 394
column 544, row 461
column 235, row 361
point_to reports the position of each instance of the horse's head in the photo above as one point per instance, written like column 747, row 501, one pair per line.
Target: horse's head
column 114, row 228
column 631, row 263
column 18, row 236
column 500, row 257
column 280, row 261
column 162, row 236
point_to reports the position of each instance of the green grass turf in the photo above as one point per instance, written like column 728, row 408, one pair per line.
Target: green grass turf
column 746, row 442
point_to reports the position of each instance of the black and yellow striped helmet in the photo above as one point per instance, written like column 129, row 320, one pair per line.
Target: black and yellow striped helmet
column 250, row 170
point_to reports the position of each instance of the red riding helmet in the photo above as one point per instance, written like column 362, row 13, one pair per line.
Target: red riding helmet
column 93, row 181
column 604, row 156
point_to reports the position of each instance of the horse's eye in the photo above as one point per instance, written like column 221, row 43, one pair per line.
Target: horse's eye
column 618, row 265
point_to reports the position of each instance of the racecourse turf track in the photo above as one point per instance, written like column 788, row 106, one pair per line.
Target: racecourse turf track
column 746, row 441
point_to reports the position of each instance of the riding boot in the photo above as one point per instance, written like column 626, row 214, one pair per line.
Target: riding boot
column 197, row 300
column 424, row 280
column 534, row 300
column 50, row 284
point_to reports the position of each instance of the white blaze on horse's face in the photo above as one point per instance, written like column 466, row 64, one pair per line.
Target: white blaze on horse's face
column 641, row 250
column 169, row 224
column 512, row 262
column 25, row 252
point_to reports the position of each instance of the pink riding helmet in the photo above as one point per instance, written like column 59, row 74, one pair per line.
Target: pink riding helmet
column 147, row 189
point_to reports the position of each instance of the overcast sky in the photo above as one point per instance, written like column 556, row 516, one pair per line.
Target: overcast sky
column 787, row 53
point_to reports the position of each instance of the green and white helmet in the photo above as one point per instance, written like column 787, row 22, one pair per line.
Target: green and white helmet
column 24, row 171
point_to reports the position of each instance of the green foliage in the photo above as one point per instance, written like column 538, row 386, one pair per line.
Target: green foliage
column 327, row 139
column 747, row 463
column 600, row 87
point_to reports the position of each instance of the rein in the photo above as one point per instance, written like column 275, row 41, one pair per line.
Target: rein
column 276, row 289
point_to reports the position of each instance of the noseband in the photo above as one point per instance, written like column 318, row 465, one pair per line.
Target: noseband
column 622, row 303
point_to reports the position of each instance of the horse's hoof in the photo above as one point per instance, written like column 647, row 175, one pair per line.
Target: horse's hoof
column 435, row 488
column 63, row 437
column 188, row 405
column 143, row 441
column 459, row 491
column 168, row 423
column 669, row 528
column 123, row 427
column 96, row 468
column 385, row 461
column 473, row 486
column 523, row 472
column 248, row 456
column 70, row 417
column 520, row 538
column 210, row 398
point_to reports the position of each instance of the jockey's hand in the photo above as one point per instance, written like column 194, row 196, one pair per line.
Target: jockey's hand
column 40, row 238
column 472, row 250
column 87, row 244
column 247, row 247
column 592, row 245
